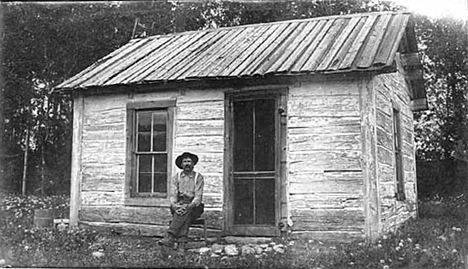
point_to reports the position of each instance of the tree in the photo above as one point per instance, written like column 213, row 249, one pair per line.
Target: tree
column 441, row 131
column 44, row 44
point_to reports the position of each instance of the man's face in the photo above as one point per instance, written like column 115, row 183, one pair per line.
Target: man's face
column 187, row 164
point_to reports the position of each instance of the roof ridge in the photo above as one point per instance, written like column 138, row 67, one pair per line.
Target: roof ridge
column 351, row 15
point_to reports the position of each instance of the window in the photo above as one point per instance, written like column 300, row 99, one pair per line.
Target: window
column 149, row 148
column 400, row 183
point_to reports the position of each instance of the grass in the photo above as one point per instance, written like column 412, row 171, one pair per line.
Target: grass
column 436, row 240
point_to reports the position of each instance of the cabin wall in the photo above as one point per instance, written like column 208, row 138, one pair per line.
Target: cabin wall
column 391, row 90
column 326, row 191
column 198, row 128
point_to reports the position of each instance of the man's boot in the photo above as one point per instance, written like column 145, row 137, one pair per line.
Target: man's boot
column 167, row 241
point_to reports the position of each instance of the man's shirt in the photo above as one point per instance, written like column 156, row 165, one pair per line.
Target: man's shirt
column 187, row 185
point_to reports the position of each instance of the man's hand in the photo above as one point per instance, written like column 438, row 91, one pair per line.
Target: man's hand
column 180, row 209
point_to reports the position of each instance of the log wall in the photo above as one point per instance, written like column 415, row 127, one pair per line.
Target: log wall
column 198, row 128
column 392, row 88
column 325, row 186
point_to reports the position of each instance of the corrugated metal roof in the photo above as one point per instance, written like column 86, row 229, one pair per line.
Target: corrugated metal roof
column 355, row 42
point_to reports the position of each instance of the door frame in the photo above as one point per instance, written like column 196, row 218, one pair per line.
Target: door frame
column 280, row 95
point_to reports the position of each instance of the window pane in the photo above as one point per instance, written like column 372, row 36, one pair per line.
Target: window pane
column 160, row 163
column 160, row 182
column 265, row 135
column 144, row 164
column 144, row 142
column 144, row 182
column 243, row 201
column 243, row 139
column 265, row 201
column 159, row 130
column 144, row 121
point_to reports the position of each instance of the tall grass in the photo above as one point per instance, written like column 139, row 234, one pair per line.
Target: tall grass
column 437, row 239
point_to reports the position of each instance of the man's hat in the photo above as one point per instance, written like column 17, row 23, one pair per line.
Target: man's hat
column 184, row 155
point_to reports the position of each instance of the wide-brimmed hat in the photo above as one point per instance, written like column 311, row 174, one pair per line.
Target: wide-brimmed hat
column 184, row 155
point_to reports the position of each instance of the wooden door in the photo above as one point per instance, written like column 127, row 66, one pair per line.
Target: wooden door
column 253, row 181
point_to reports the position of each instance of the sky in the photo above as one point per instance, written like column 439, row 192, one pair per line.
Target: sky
column 437, row 8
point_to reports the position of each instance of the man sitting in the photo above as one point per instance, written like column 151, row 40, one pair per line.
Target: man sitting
column 186, row 197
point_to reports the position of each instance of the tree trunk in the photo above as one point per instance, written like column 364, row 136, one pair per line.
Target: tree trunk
column 43, row 181
column 25, row 165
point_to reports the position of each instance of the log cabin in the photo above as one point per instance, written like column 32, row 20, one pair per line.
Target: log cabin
column 302, row 127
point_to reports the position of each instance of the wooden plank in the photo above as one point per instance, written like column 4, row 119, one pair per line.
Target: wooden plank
column 133, row 61
column 90, row 198
column 375, row 39
column 226, row 46
column 326, row 201
column 341, row 38
column 357, row 44
column 275, row 50
column 387, row 51
column 164, row 56
column 103, row 182
column 386, row 173
column 383, row 103
column 347, row 124
column 200, row 128
column 213, row 110
column 307, row 34
column 339, row 88
column 201, row 144
column 369, row 166
column 330, row 236
column 76, row 176
column 385, row 156
column 324, row 160
column 324, row 46
column 97, row 135
column 326, row 106
column 384, row 121
column 125, row 228
column 233, row 58
column 290, row 47
column 316, row 36
column 324, row 141
column 193, row 59
column 116, row 127
column 258, row 53
column 325, row 130
column 338, row 59
column 206, row 96
column 243, row 56
column 105, row 62
column 326, row 186
column 384, row 139
column 353, row 215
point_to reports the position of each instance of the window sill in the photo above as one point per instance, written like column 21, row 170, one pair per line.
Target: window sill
column 147, row 201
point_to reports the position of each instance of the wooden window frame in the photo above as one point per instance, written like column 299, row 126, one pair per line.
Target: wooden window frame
column 398, row 153
column 131, row 195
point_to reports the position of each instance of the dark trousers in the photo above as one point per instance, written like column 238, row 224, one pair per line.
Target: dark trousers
column 180, row 224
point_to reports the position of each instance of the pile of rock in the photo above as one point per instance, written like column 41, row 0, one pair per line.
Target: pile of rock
column 220, row 250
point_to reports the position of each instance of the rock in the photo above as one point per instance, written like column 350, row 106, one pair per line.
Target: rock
column 247, row 250
column 277, row 247
column 247, row 240
column 214, row 255
column 224, row 258
column 258, row 256
column 258, row 249
column 217, row 248
column 268, row 249
column 2, row 262
column 264, row 245
column 231, row 250
column 98, row 254
column 279, row 250
column 204, row 250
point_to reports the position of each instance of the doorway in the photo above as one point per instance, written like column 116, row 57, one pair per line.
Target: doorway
column 253, row 180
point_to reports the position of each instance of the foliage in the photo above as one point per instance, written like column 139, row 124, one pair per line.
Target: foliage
column 437, row 240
